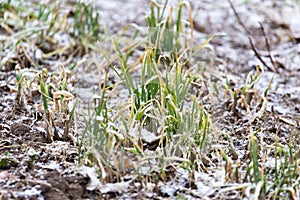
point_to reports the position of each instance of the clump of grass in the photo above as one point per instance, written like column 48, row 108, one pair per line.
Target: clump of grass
column 86, row 21
column 168, row 35
column 279, row 178
column 86, row 25
column 39, row 27
column 159, row 105
column 285, row 174
column 242, row 99
column 50, row 17
column 54, row 95
column 42, row 26
column 270, row 170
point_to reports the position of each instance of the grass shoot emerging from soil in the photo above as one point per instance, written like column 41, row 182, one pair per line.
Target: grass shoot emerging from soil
column 159, row 128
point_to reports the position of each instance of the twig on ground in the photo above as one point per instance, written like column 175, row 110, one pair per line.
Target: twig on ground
column 249, row 36
column 258, row 56
column 238, row 18
column 268, row 46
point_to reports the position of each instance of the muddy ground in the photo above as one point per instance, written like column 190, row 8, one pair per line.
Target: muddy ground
column 31, row 167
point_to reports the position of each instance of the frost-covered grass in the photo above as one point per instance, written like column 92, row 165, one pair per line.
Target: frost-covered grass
column 167, row 124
